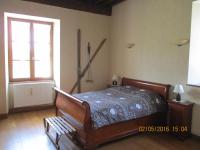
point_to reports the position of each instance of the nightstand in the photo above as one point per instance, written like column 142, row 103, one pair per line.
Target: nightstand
column 179, row 118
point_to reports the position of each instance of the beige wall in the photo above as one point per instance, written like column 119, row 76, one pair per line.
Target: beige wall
column 94, row 29
column 154, row 26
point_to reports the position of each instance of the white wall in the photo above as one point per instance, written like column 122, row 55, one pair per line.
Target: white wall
column 154, row 26
column 94, row 28
column 194, row 55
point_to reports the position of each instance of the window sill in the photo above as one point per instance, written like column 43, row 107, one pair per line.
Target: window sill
column 193, row 85
column 32, row 82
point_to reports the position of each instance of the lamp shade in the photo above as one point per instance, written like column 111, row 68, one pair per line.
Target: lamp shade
column 178, row 89
column 114, row 78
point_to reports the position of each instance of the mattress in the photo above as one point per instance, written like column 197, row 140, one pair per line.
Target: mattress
column 121, row 103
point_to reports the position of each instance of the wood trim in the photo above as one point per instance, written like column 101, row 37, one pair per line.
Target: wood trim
column 79, row 60
column 32, row 54
column 190, row 104
column 31, row 108
column 123, row 129
column 35, row 81
column 32, row 62
column 3, row 116
column 10, row 50
column 162, row 89
column 29, row 20
column 52, row 49
column 30, row 80
column 67, row 95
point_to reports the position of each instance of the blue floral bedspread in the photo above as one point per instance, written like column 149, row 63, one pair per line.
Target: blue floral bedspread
column 121, row 103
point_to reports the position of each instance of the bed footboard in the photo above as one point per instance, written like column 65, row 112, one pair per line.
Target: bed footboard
column 76, row 112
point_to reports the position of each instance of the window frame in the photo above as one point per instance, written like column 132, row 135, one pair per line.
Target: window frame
column 32, row 63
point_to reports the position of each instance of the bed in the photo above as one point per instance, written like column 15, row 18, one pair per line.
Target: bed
column 98, row 119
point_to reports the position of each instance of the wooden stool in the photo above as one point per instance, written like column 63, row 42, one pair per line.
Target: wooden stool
column 61, row 127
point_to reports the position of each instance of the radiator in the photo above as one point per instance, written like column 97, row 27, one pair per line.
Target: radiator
column 32, row 94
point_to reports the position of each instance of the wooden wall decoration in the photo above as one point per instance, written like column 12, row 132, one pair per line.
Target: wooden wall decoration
column 103, row 7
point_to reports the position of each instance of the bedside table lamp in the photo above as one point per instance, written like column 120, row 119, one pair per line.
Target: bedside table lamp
column 178, row 89
column 114, row 79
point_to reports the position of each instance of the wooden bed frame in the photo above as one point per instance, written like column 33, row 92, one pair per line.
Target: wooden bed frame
column 77, row 113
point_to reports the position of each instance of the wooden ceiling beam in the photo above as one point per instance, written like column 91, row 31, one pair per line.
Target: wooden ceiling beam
column 103, row 7
column 105, row 1
column 115, row 2
column 108, row 2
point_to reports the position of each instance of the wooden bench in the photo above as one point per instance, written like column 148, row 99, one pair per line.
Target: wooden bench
column 61, row 127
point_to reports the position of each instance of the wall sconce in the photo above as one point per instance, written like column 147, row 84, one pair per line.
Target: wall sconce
column 182, row 42
column 130, row 45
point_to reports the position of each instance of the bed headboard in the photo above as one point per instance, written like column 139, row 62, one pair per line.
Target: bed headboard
column 162, row 89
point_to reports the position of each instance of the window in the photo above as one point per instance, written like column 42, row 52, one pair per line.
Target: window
column 30, row 46
column 194, row 58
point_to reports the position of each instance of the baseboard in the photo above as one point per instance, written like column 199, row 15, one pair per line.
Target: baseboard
column 3, row 116
column 31, row 108
column 196, row 136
